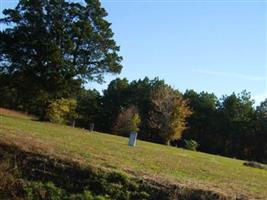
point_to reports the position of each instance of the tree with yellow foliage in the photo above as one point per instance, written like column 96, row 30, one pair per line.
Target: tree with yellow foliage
column 167, row 117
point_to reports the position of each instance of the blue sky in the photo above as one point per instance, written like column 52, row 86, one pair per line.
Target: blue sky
column 215, row 46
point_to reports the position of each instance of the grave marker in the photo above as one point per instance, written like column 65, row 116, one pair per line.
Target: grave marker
column 132, row 139
column 92, row 126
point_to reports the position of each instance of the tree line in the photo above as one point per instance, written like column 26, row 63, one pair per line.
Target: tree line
column 51, row 48
column 230, row 125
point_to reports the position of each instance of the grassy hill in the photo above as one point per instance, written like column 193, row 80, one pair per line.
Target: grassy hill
column 158, row 164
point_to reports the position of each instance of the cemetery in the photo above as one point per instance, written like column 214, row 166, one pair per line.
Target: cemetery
column 133, row 100
column 63, row 155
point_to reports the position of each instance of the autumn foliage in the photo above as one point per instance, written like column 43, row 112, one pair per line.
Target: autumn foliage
column 128, row 120
column 168, row 114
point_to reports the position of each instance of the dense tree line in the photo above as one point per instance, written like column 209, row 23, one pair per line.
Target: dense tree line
column 162, row 110
column 230, row 125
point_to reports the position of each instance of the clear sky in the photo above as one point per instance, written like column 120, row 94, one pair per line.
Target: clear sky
column 215, row 46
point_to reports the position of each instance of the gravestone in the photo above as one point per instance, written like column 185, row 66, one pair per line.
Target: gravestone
column 92, row 126
column 132, row 139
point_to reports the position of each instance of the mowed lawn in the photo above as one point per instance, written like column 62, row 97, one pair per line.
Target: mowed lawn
column 146, row 160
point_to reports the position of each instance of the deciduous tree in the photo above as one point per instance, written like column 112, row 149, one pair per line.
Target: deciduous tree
column 168, row 115
column 128, row 120
column 51, row 47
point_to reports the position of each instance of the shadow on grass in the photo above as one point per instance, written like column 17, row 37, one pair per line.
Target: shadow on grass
column 72, row 179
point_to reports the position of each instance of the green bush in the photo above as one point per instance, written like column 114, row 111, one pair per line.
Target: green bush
column 191, row 145
column 48, row 191
column 38, row 190
column 62, row 111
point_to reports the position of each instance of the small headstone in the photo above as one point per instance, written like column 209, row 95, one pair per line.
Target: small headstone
column 132, row 139
column 92, row 126
column 73, row 123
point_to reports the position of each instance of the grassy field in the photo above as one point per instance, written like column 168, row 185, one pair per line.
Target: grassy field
column 146, row 160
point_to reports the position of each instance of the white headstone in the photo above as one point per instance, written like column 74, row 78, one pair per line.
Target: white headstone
column 132, row 139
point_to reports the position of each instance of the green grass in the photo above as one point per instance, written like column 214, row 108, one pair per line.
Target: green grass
column 152, row 161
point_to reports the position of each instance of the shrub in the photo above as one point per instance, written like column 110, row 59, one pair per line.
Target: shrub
column 191, row 145
column 38, row 190
column 62, row 111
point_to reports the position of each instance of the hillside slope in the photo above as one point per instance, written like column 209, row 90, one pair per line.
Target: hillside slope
column 147, row 161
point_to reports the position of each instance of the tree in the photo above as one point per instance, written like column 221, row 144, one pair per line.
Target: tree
column 203, row 122
column 128, row 120
column 115, row 100
column 262, row 111
column 237, row 108
column 259, row 141
column 168, row 116
column 88, row 108
column 236, row 115
column 51, row 47
column 62, row 111
column 121, row 94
